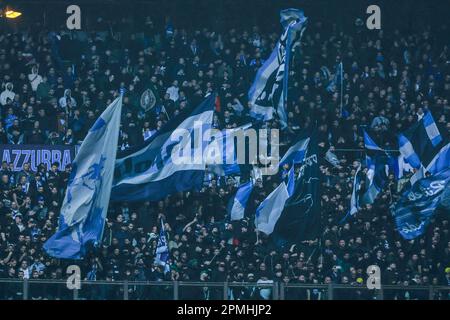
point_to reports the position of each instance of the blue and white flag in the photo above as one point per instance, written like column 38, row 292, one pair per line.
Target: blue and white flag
column 162, row 249
column 400, row 166
column 416, row 207
column 237, row 205
column 85, row 205
column 419, row 174
column 408, row 153
column 296, row 153
column 396, row 164
column 419, row 144
column 291, row 181
column 269, row 89
column 300, row 219
column 269, row 211
column 377, row 175
column 152, row 173
column 337, row 79
column 431, row 129
column 332, row 158
column 354, row 202
column 369, row 143
column 372, row 152
column 441, row 161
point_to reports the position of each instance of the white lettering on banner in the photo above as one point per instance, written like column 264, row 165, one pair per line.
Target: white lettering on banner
column 409, row 228
column 309, row 161
column 434, row 188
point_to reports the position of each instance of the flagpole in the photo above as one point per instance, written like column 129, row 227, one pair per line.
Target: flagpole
column 342, row 85
column 165, row 111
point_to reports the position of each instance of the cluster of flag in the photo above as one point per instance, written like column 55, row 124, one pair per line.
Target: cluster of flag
column 150, row 173
column 290, row 213
column 421, row 151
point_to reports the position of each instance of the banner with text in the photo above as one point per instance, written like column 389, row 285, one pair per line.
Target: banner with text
column 35, row 155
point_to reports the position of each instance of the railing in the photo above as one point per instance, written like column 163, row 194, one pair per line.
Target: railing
column 177, row 290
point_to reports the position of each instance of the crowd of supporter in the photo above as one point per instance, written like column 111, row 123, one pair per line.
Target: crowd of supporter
column 55, row 85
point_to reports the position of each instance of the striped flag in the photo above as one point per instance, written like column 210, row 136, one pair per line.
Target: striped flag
column 296, row 153
column 269, row 211
column 152, row 173
column 419, row 144
column 237, row 205
column 269, row 89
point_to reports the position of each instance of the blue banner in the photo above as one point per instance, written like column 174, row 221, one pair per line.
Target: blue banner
column 417, row 205
column 35, row 155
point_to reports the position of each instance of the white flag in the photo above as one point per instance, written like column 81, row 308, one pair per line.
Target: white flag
column 85, row 205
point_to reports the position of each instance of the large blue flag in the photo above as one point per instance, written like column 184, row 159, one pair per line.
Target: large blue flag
column 237, row 205
column 417, row 205
column 85, row 205
column 152, row 172
column 269, row 89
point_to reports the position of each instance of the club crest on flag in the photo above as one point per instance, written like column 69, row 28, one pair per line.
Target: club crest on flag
column 148, row 100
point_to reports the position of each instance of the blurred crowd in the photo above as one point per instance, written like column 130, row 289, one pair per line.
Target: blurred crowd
column 55, row 85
